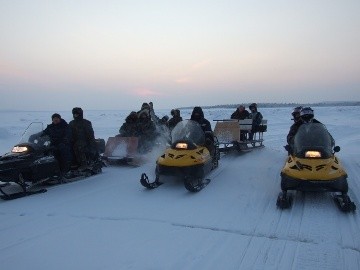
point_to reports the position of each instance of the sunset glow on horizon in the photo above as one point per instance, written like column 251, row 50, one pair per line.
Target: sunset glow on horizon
column 117, row 54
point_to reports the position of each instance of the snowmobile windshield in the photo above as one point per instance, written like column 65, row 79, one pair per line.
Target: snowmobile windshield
column 32, row 134
column 313, row 137
column 188, row 131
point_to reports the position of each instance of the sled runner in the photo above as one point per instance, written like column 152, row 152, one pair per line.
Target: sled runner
column 233, row 134
column 190, row 157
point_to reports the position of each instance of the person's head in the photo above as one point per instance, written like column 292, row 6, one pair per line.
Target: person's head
column 253, row 107
column 56, row 118
column 241, row 108
column 197, row 114
column 145, row 106
column 164, row 119
column 77, row 113
column 296, row 114
column 175, row 112
column 132, row 117
column 307, row 114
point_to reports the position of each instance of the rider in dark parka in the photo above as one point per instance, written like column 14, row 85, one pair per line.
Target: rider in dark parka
column 83, row 139
column 59, row 133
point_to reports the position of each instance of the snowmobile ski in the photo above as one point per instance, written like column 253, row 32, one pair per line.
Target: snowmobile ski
column 144, row 180
column 23, row 193
column 284, row 201
column 195, row 184
column 344, row 203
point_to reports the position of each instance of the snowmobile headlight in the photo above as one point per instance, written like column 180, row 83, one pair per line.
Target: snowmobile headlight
column 181, row 146
column 312, row 154
column 19, row 149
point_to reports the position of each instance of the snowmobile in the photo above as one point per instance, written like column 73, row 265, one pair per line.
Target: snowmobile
column 313, row 166
column 187, row 157
column 32, row 163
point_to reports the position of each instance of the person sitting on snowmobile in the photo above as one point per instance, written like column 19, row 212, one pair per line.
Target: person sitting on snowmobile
column 60, row 136
column 197, row 115
column 295, row 126
column 256, row 120
column 175, row 119
column 306, row 116
column 147, row 131
column 130, row 127
column 83, row 139
column 240, row 114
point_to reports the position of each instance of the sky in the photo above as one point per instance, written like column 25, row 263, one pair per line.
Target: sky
column 118, row 54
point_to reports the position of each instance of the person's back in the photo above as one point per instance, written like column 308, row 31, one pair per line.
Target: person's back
column 147, row 132
column 240, row 114
column 130, row 127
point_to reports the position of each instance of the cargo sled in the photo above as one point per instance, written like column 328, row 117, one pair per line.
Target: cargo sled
column 191, row 157
column 122, row 151
column 313, row 166
column 233, row 135
column 32, row 163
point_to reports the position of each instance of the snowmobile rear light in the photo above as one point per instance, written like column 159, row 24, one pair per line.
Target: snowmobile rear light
column 19, row 149
column 312, row 154
column 181, row 146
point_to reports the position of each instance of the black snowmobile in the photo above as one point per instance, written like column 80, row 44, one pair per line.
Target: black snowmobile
column 32, row 163
column 313, row 166
column 187, row 157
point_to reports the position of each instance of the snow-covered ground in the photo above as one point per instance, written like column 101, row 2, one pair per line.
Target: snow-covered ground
column 109, row 221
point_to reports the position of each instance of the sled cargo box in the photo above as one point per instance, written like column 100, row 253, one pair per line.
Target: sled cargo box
column 121, row 146
column 227, row 131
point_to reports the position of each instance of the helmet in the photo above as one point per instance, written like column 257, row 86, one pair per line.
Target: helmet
column 253, row 105
column 296, row 113
column 78, row 111
column 307, row 114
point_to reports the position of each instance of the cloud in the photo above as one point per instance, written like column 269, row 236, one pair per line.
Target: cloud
column 201, row 64
column 146, row 92
column 183, row 80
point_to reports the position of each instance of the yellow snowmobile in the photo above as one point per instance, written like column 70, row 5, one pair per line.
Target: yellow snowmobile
column 313, row 166
column 192, row 155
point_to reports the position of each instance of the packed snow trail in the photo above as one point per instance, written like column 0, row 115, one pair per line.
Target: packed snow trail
column 110, row 221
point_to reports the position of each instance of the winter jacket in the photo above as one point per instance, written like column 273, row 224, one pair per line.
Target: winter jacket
column 240, row 115
column 82, row 132
column 256, row 118
column 204, row 123
column 60, row 133
column 131, row 127
column 174, row 121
